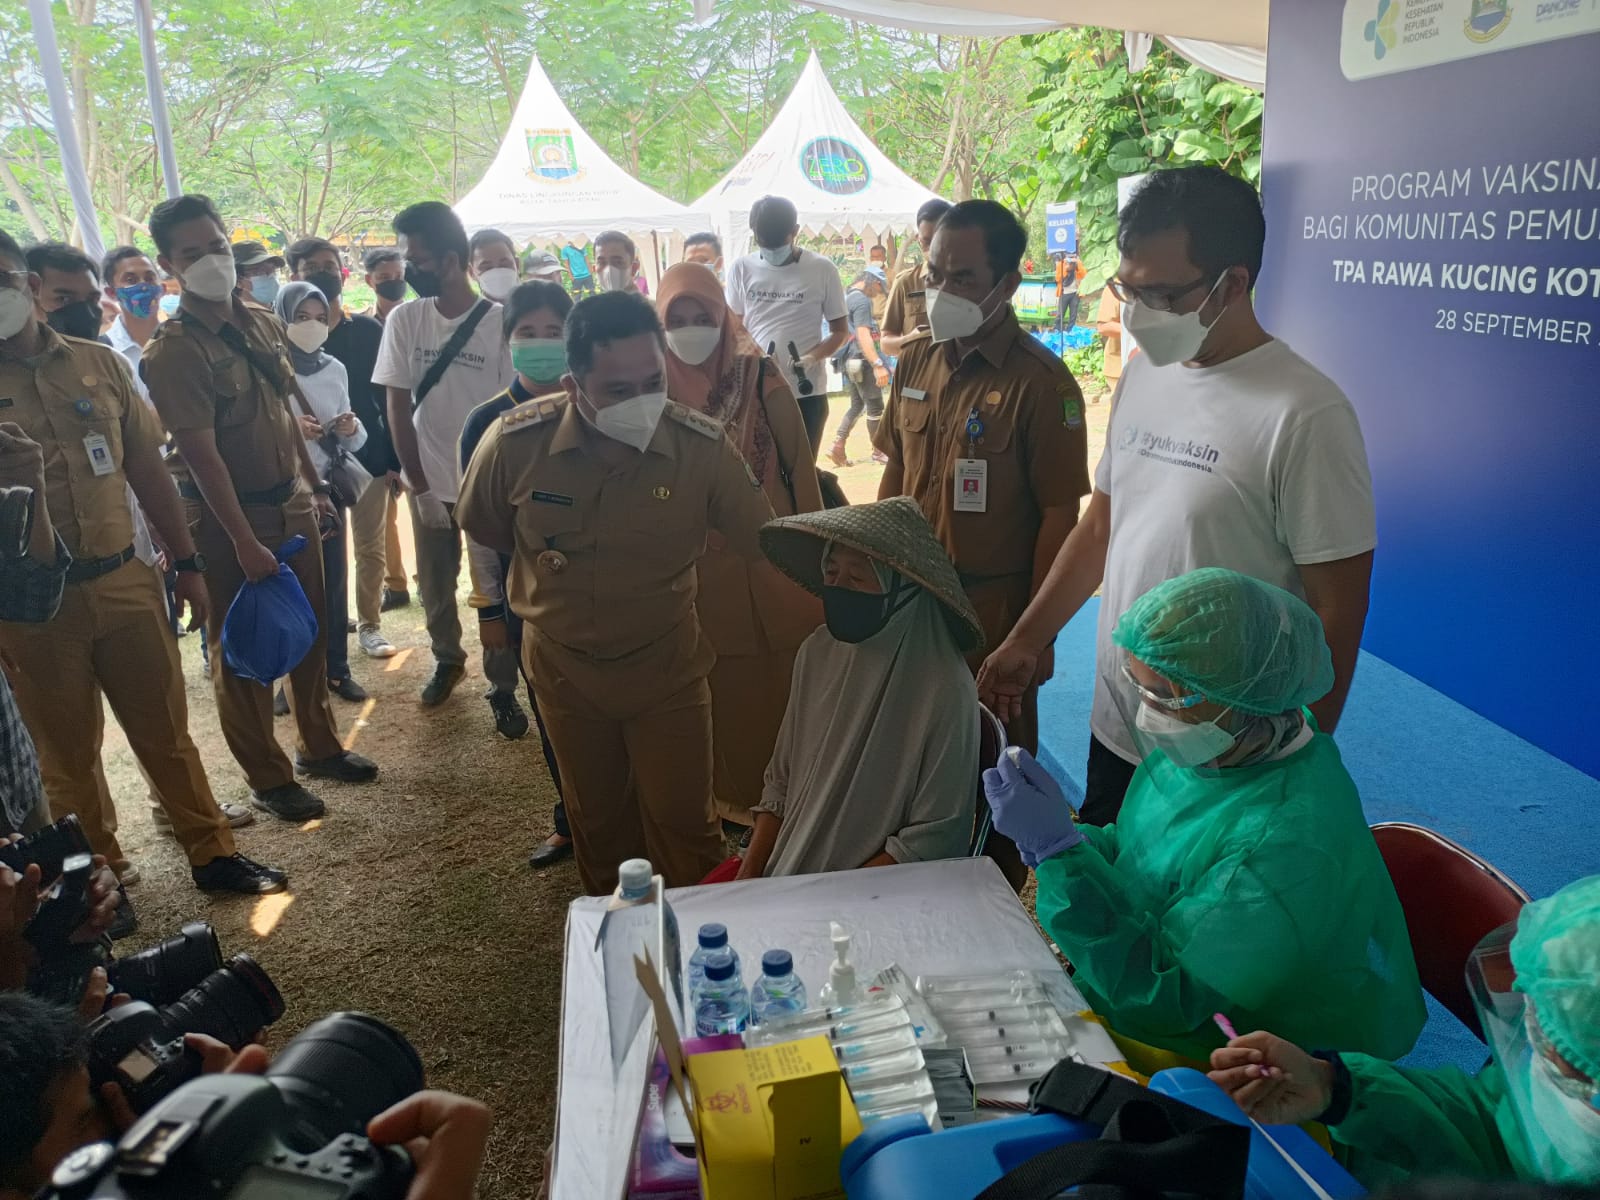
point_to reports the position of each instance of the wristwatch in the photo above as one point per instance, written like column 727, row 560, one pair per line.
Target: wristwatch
column 321, row 489
column 195, row 564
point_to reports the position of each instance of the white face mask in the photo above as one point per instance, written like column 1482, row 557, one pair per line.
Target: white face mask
column 211, row 278
column 497, row 283
column 1570, row 1125
column 951, row 316
column 16, row 310
column 1165, row 337
column 775, row 256
column 308, row 335
column 614, row 279
column 632, row 422
column 694, row 344
column 1185, row 744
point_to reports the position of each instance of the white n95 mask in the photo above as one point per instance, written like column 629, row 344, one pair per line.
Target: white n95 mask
column 497, row 283
column 614, row 279
column 951, row 316
column 16, row 310
column 632, row 422
column 212, row 277
column 308, row 336
column 693, row 344
column 1167, row 337
column 1185, row 744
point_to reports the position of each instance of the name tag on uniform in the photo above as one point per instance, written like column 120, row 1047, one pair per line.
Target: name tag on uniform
column 551, row 498
column 972, row 485
column 913, row 393
column 99, row 452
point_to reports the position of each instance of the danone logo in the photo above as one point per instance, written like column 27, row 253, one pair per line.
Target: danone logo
column 835, row 166
column 1488, row 20
column 1380, row 30
column 551, row 154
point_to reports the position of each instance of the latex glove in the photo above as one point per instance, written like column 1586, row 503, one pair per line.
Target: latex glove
column 1029, row 807
column 431, row 511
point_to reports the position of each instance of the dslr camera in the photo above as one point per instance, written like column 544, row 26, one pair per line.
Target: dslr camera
column 16, row 521
column 66, row 870
column 295, row 1133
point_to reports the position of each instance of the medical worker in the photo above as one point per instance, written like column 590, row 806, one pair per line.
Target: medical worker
column 1240, row 877
column 1530, row 1114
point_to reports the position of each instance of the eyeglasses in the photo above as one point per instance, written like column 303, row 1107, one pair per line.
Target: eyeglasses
column 1156, row 698
column 1161, row 299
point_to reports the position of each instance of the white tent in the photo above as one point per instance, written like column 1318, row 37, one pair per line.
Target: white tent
column 551, row 180
column 814, row 154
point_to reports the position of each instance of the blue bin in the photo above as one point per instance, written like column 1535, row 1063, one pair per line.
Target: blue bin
column 901, row 1159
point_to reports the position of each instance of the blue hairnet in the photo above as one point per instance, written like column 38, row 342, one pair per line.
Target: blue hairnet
column 1233, row 639
column 1556, row 952
column 270, row 625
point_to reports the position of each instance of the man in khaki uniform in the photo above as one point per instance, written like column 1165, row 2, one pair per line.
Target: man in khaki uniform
column 984, row 429
column 76, row 400
column 907, row 309
column 603, row 500
column 220, row 376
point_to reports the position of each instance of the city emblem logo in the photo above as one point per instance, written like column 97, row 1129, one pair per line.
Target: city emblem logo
column 1488, row 20
column 551, row 154
column 835, row 166
column 1380, row 30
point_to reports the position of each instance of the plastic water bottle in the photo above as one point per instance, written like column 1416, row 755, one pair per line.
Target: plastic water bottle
column 724, row 1004
column 713, row 936
column 779, row 991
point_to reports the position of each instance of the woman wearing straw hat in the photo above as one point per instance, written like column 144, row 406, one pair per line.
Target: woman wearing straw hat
column 755, row 618
column 877, row 759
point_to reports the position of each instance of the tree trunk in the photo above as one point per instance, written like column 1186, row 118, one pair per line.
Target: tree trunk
column 24, row 202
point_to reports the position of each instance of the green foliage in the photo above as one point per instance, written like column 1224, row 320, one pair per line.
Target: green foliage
column 1101, row 121
column 1087, row 364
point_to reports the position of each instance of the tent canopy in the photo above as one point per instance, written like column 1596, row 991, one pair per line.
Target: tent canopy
column 814, row 154
column 550, row 179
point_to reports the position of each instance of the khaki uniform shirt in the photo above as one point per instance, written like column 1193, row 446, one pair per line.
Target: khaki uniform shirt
column 603, row 558
column 1032, row 441
column 197, row 381
column 908, row 302
column 76, row 400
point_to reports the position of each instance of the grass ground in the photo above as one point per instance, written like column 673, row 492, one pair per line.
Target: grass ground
column 411, row 899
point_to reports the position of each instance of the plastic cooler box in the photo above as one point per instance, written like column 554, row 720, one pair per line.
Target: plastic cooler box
column 900, row 1159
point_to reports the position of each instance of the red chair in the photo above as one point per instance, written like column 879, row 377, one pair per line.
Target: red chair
column 1451, row 899
column 991, row 742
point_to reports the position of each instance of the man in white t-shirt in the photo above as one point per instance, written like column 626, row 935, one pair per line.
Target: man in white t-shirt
column 427, row 410
column 1226, row 449
column 785, row 294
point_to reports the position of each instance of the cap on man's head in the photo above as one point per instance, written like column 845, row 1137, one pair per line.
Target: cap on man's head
column 878, row 273
column 541, row 264
column 254, row 254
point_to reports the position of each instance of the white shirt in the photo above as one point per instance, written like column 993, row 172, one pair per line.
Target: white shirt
column 1256, row 464
column 122, row 342
column 412, row 338
column 787, row 304
column 328, row 394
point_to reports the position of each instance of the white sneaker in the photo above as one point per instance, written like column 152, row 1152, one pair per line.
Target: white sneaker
column 374, row 644
column 237, row 816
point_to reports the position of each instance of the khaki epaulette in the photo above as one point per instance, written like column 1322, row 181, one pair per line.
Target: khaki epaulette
column 534, row 412
column 703, row 425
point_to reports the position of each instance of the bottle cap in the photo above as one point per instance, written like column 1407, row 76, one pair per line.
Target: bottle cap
column 634, row 876
column 776, row 963
column 719, row 965
column 713, row 934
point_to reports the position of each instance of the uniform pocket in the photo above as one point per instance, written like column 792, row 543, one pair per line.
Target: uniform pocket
column 913, row 414
column 549, row 524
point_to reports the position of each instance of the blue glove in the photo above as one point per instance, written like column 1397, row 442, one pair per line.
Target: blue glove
column 1029, row 807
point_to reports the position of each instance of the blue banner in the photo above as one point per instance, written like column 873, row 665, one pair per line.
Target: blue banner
column 1432, row 185
column 1061, row 227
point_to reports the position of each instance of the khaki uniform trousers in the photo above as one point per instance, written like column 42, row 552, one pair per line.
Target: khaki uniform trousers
column 749, row 695
column 368, row 537
column 244, row 706
column 635, row 764
column 111, row 636
column 394, row 562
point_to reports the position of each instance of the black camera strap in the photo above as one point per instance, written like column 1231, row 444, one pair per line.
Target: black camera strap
column 448, row 353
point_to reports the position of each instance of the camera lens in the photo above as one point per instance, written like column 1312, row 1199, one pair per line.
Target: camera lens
column 232, row 1004
column 162, row 973
column 340, row 1072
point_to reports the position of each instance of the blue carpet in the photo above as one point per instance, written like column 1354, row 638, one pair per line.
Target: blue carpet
column 1417, row 756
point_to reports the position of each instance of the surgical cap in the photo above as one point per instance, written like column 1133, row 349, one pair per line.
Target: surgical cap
column 1233, row 639
column 1556, row 953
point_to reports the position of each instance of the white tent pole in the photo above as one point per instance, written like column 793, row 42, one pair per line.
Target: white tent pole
column 159, row 120
column 44, row 38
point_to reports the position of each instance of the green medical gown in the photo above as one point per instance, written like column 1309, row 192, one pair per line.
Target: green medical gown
column 1256, row 892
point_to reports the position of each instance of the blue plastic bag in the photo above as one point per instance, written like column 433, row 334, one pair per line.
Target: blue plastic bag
column 270, row 625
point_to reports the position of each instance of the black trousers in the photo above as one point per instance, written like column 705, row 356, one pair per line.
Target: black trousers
column 514, row 634
column 1109, row 775
column 814, row 412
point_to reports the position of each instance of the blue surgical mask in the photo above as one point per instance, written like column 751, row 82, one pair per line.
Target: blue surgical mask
column 264, row 288
column 169, row 304
column 775, row 256
column 138, row 300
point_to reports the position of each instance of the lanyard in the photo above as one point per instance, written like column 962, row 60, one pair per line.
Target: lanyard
column 974, row 431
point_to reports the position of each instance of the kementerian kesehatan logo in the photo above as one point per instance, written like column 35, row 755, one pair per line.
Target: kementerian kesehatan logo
column 551, row 154
column 1488, row 20
column 835, row 166
column 1380, row 30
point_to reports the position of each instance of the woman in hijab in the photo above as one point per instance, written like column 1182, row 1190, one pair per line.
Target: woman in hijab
column 328, row 424
column 877, row 759
column 754, row 617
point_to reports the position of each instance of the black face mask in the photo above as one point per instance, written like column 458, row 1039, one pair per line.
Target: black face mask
column 423, row 283
column 329, row 283
column 80, row 319
column 853, row 616
column 391, row 289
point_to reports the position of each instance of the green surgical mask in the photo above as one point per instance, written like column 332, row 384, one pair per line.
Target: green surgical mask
column 544, row 360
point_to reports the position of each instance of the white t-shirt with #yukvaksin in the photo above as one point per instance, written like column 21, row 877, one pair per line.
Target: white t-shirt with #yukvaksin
column 787, row 304
column 413, row 335
column 1256, row 464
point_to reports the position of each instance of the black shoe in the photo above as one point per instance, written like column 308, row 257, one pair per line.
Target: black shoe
column 345, row 767
column 348, row 689
column 393, row 599
column 548, row 853
column 124, row 920
column 236, row 873
column 445, row 677
column 280, row 703
column 509, row 718
column 288, row 802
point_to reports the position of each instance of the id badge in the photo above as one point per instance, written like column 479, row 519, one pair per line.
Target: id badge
column 99, row 452
column 972, row 485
